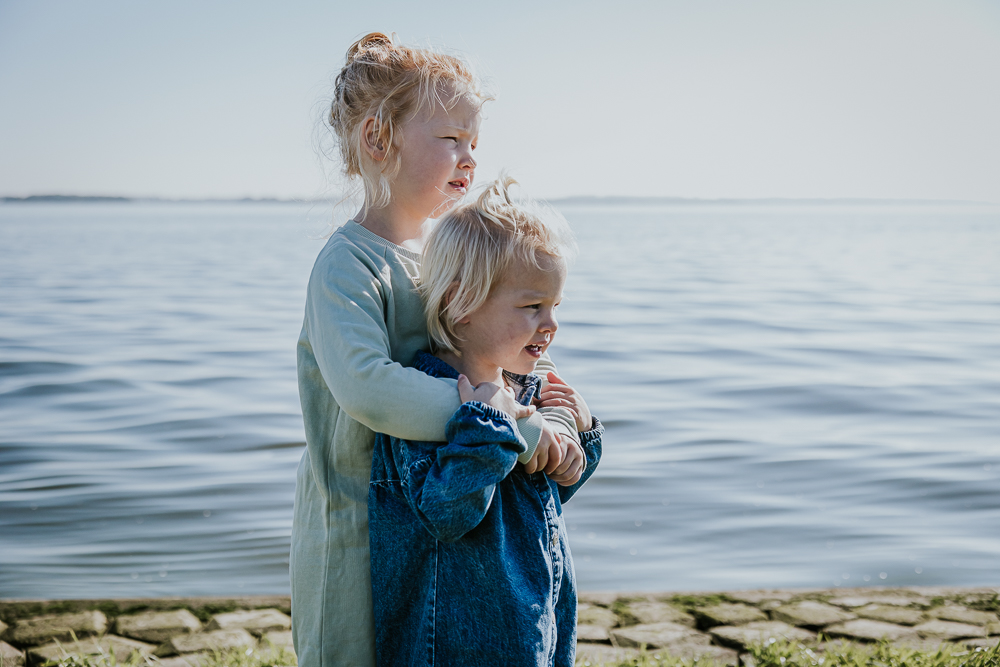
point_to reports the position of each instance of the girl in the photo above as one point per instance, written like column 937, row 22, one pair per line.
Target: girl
column 407, row 121
column 470, row 562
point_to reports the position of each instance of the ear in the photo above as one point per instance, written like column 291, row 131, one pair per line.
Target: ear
column 374, row 143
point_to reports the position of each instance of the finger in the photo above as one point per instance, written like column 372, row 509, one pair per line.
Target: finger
column 552, row 377
column 465, row 390
column 524, row 411
column 555, row 457
column 540, row 459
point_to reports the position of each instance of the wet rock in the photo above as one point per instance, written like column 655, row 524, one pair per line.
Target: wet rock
column 599, row 654
column 592, row 633
column 257, row 621
column 699, row 652
column 588, row 614
column 215, row 640
column 603, row 599
column 56, row 627
column 867, row 630
column 963, row 615
column 728, row 614
column 655, row 635
column 949, row 630
column 741, row 636
column 157, row 626
column 10, row 656
column 658, row 612
column 810, row 614
column 891, row 614
column 119, row 647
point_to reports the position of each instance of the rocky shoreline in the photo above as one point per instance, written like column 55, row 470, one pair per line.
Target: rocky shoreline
column 180, row 632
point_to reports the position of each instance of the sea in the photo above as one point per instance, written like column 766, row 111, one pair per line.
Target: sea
column 795, row 394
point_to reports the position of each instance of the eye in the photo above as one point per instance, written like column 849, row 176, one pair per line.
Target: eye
column 455, row 139
column 534, row 306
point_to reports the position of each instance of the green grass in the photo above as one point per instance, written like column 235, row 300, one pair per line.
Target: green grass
column 789, row 654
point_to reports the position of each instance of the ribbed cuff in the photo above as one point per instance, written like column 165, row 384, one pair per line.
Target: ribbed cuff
column 531, row 430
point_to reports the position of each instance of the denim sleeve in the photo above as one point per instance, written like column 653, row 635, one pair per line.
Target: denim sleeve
column 450, row 485
column 592, row 448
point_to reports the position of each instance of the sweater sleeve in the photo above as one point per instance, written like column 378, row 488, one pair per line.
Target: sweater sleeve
column 451, row 488
column 345, row 325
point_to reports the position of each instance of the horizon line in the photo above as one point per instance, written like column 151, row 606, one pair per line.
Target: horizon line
column 582, row 200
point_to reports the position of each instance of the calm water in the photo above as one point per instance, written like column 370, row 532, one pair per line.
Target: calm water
column 793, row 396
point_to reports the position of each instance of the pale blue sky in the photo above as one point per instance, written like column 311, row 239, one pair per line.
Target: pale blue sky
column 695, row 99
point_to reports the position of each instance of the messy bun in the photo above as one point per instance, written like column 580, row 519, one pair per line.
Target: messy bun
column 392, row 83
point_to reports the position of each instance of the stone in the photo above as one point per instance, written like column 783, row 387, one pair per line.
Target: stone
column 963, row 615
column 600, row 654
column 993, row 629
column 215, row 640
column 10, row 656
column 949, row 630
column 729, row 614
column 658, row 612
column 654, row 635
column 810, row 614
column 119, row 647
column 157, row 626
column 592, row 633
column 918, row 643
column 757, row 598
column 982, row 642
column 891, row 614
column 56, row 627
column 741, row 636
column 3, row 628
column 863, row 629
column 896, row 599
column 279, row 639
column 588, row 614
column 600, row 598
column 700, row 652
column 257, row 621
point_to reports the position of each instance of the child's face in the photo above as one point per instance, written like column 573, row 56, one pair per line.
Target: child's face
column 436, row 165
column 516, row 324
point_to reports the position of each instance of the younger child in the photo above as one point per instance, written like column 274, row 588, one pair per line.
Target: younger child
column 470, row 563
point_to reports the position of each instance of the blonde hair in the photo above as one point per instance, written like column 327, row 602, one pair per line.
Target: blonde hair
column 472, row 249
column 392, row 83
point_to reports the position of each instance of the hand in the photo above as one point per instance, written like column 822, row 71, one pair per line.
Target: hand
column 559, row 394
column 501, row 398
column 550, row 451
column 571, row 469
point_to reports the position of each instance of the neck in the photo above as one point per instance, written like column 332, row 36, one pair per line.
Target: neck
column 394, row 225
column 477, row 370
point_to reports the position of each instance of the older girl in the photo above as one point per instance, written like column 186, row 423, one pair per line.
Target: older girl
column 407, row 121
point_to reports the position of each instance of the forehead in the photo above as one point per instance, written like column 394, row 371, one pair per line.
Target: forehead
column 527, row 279
column 462, row 112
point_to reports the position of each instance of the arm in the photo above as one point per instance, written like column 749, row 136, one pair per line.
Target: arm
column 345, row 326
column 347, row 333
column 450, row 486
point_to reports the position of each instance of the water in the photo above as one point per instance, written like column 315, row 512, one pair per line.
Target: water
column 793, row 396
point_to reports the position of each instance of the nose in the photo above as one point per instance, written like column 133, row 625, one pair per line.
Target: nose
column 548, row 324
column 466, row 161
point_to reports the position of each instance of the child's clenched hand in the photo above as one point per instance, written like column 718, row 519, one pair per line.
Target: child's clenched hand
column 549, row 452
column 501, row 398
column 559, row 394
column 573, row 464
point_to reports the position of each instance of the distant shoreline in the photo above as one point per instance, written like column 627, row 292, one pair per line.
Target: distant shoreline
column 583, row 201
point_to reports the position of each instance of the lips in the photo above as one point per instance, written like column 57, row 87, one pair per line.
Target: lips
column 536, row 349
column 459, row 184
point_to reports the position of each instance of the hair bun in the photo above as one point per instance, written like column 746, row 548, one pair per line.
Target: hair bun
column 373, row 41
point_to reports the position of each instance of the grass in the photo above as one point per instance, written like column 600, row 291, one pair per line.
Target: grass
column 267, row 655
column 790, row 654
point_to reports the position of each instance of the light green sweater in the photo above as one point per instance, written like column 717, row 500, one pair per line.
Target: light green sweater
column 363, row 324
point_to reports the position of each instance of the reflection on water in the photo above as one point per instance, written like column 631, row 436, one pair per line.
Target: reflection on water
column 793, row 396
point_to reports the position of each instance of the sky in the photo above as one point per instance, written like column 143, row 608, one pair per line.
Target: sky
column 707, row 98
